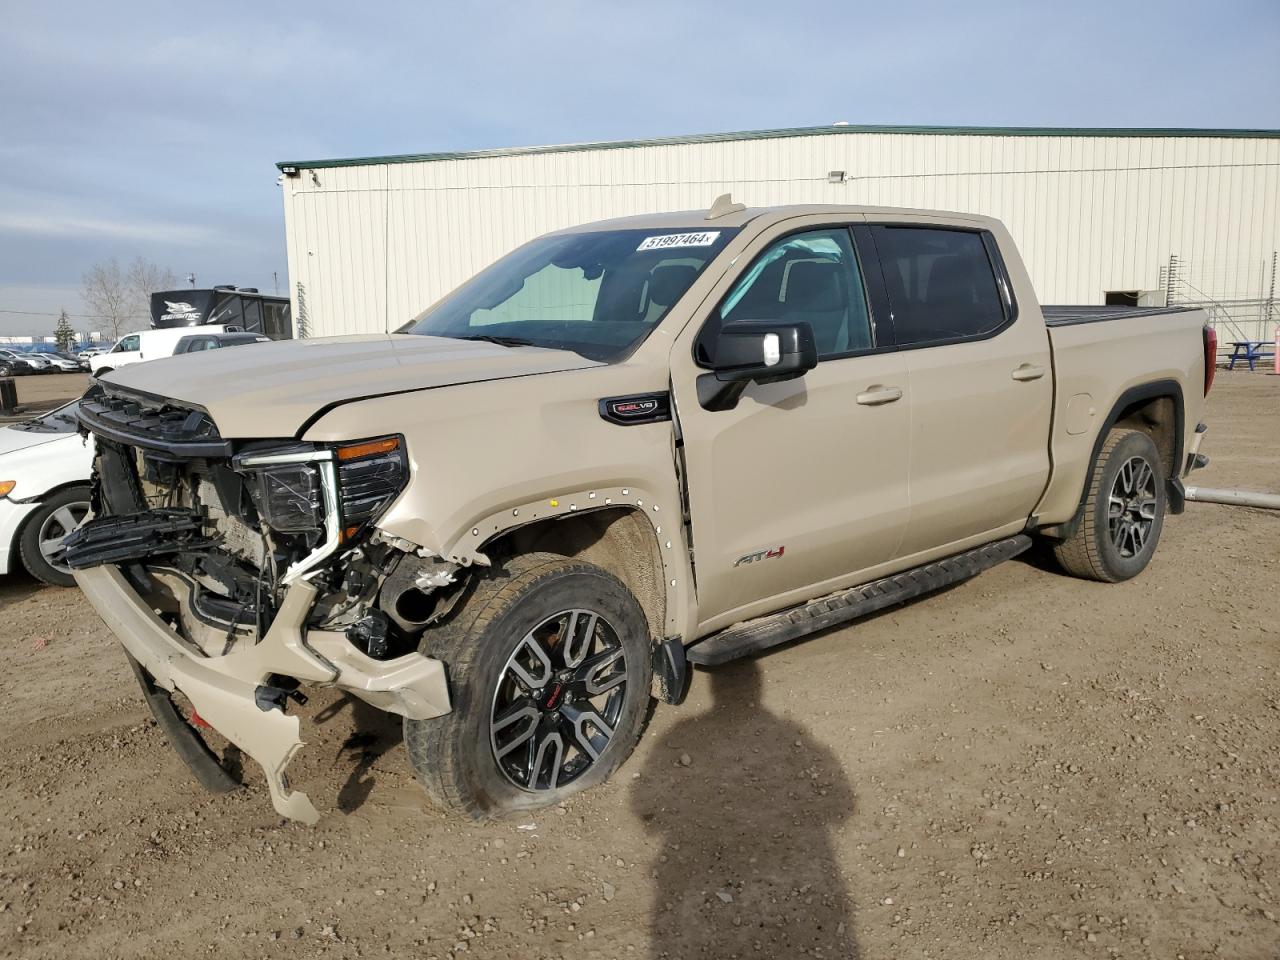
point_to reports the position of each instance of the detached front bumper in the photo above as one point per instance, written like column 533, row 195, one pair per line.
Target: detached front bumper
column 226, row 690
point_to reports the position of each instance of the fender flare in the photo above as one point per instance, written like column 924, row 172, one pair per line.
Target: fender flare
column 663, row 515
column 1155, row 390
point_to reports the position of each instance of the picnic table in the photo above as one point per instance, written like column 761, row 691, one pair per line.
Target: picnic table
column 1250, row 351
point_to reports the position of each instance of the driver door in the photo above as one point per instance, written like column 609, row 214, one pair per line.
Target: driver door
column 801, row 487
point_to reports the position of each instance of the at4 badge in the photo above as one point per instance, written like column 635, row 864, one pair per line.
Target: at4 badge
column 768, row 553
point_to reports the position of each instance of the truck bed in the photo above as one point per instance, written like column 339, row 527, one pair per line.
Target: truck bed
column 1096, row 365
column 1062, row 315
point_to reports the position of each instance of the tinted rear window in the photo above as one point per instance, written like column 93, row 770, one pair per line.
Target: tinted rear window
column 942, row 286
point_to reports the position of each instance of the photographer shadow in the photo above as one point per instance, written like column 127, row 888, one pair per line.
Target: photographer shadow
column 373, row 734
column 746, row 864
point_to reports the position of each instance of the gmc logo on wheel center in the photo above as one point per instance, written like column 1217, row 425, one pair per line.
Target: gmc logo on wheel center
column 768, row 553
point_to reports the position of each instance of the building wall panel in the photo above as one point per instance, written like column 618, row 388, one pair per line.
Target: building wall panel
column 371, row 245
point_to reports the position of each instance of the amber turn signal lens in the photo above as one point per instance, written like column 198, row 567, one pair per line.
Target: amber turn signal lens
column 368, row 448
column 6, row 487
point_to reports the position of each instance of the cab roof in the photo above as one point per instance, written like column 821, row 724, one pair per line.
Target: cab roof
column 698, row 219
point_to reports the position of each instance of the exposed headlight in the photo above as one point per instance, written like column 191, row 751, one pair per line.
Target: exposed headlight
column 371, row 474
column 287, row 484
column 287, row 496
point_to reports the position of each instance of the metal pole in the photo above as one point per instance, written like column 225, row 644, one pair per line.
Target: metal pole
column 1271, row 292
column 1235, row 498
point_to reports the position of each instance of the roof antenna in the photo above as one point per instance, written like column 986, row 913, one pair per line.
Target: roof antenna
column 723, row 206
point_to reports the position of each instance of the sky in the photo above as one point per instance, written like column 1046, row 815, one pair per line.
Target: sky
column 153, row 129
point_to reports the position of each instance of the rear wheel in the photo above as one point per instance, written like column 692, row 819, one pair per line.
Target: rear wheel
column 549, row 671
column 45, row 530
column 1123, row 512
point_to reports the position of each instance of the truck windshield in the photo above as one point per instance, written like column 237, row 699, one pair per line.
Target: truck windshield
column 597, row 293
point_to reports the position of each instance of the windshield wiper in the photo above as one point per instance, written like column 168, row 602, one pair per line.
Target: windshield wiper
column 522, row 342
column 501, row 341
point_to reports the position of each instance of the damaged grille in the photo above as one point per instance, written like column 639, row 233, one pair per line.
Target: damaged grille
column 151, row 424
column 122, row 539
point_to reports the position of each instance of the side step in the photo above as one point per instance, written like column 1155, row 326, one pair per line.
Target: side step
column 744, row 639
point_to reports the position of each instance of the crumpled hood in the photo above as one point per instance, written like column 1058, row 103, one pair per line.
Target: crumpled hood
column 273, row 389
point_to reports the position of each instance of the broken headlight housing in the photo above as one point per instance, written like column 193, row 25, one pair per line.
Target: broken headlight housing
column 284, row 485
column 371, row 474
column 302, row 488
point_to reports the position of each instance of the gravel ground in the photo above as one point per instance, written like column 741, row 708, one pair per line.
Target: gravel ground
column 1023, row 766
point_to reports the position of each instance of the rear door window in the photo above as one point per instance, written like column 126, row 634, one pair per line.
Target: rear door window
column 941, row 284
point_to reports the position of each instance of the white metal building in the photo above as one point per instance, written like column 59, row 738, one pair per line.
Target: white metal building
column 1186, row 216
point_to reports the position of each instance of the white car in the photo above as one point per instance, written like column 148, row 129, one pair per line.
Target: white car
column 44, row 492
column 149, row 345
column 63, row 364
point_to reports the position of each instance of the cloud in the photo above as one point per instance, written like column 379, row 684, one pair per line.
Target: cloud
column 138, row 128
column 71, row 226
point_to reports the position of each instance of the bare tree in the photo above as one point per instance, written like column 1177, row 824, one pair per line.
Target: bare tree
column 145, row 278
column 123, row 297
column 107, row 295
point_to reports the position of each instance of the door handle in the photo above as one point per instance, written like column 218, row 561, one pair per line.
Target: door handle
column 876, row 395
column 1028, row 371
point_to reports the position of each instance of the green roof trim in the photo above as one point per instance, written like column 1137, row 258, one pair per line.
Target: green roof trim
column 1167, row 132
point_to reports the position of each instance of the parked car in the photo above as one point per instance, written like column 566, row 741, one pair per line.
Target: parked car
column 196, row 342
column 620, row 449
column 90, row 352
column 44, row 492
column 13, row 364
column 147, row 345
column 61, row 362
column 39, row 361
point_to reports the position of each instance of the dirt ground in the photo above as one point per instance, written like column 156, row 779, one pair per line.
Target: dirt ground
column 1025, row 766
column 48, row 390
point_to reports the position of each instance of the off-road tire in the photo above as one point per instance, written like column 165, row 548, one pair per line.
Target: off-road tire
column 29, row 540
column 1091, row 553
column 452, row 755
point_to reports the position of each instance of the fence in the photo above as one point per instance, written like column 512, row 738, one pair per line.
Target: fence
column 1238, row 296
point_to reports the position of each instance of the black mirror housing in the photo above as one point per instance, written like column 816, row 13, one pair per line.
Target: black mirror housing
column 765, row 351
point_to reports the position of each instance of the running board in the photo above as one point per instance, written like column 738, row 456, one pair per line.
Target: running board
column 750, row 637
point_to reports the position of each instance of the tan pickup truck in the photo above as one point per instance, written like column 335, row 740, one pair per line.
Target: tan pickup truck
column 623, row 448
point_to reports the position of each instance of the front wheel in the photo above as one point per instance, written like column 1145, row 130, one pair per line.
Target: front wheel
column 549, row 670
column 45, row 530
column 1123, row 511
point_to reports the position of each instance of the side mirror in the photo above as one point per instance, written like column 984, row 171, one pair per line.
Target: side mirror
column 763, row 351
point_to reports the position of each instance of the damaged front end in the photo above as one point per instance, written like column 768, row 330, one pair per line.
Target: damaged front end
column 235, row 571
